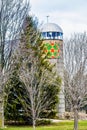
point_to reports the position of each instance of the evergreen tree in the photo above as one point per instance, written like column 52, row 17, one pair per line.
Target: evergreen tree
column 15, row 89
column 41, row 82
column 30, row 53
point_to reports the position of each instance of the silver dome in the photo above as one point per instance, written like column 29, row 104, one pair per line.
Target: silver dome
column 51, row 27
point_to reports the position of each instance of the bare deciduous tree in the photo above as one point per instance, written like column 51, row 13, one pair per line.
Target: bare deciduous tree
column 12, row 15
column 36, row 85
column 75, row 56
column 36, row 79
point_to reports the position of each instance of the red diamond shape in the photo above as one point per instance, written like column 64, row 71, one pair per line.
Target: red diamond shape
column 52, row 44
column 46, row 50
column 52, row 50
column 52, row 57
column 59, row 50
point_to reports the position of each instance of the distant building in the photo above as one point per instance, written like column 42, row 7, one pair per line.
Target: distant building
column 53, row 40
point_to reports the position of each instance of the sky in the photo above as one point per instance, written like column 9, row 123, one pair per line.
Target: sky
column 70, row 15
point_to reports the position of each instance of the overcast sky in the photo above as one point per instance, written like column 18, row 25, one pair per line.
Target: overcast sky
column 70, row 15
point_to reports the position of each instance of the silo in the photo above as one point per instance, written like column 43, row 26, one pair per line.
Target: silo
column 52, row 36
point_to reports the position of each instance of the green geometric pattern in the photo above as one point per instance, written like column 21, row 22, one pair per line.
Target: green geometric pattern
column 52, row 50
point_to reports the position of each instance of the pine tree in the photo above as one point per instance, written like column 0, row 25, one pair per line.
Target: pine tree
column 36, row 73
column 42, row 83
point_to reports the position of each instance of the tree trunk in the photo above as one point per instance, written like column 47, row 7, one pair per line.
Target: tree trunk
column 75, row 119
column 3, row 115
column 34, row 124
column 2, row 98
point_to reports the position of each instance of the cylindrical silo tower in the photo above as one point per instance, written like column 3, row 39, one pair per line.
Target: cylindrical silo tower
column 52, row 36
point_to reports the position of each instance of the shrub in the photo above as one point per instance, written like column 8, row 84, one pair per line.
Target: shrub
column 43, row 122
column 48, row 114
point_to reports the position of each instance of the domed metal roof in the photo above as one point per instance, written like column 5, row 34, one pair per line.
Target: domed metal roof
column 51, row 27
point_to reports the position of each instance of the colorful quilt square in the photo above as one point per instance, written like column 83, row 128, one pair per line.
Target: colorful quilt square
column 52, row 49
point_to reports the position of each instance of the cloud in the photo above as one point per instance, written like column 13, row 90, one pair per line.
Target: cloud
column 66, row 5
column 69, row 14
column 70, row 22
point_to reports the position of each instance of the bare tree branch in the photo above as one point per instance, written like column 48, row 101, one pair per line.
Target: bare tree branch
column 12, row 15
column 75, row 56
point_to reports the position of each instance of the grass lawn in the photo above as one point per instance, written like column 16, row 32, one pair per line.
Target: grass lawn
column 68, row 125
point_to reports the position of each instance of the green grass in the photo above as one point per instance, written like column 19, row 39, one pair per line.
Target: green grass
column 68, row 125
